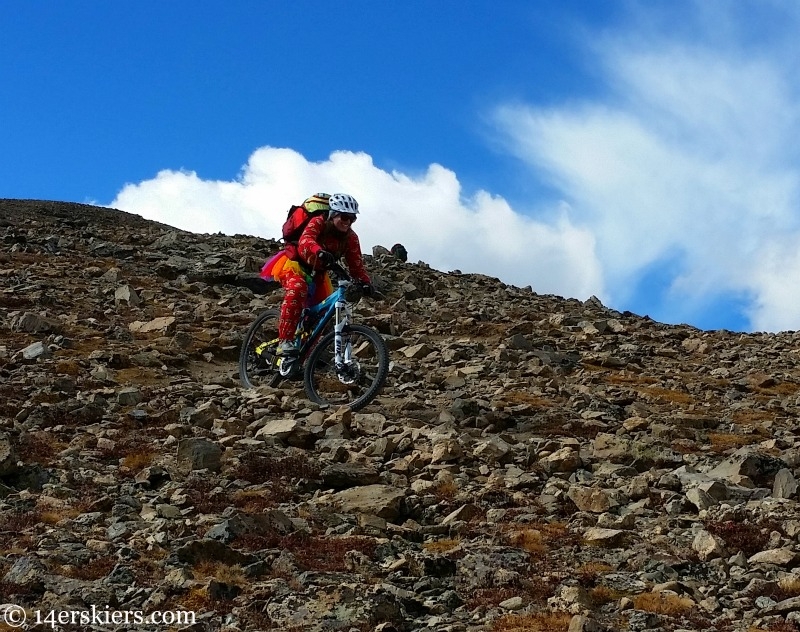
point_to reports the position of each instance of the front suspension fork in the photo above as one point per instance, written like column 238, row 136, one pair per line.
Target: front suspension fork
column 342, row 349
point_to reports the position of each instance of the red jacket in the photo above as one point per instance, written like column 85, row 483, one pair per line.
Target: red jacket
column 319, row 235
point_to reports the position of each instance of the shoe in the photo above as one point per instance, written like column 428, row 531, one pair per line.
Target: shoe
column 286, row 348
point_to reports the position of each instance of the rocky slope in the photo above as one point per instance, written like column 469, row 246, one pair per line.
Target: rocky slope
column 534, row 462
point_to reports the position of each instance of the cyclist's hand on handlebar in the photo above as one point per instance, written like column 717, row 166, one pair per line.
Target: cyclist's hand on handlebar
column 325, row 258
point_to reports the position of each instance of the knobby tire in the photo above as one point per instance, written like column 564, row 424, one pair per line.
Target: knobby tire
column 321, row 382
column 263, row 329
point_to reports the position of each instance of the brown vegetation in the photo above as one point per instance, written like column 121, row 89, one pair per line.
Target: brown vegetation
column 538, row 622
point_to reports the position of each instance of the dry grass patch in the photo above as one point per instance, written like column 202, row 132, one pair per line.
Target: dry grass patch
column 138, row 459
column 253, row 500
column 260, row 468
column 530, row 540
column 206, row 496
column 790, row 586
column 516, row 398
column 746, row 417
column 68, row 367
column 39, row 447
column 313, row 552
column 783, row 389
column 630, row 379
column 667, row 395
column 489, row 597
column 441, row 546
column 232, row 575
column 197, row 599
column 592, row 570
column 724, row 441
column 141, row 376
column 780, row 626
column 327, row 554
column 53, row 516
column 149, row 569
column 747, row 537
column 445, row 490
column 539, row 538
column 15, row 524
column 685, row 446
column 602, row 595
column 663, row 603
column 588, row 575
column 538, row 622
column 94, row 569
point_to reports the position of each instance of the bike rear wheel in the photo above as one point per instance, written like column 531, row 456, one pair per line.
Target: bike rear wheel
column 356, row 384
column 258, row 364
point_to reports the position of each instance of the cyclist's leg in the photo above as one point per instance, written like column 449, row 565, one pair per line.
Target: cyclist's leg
column 296, row 290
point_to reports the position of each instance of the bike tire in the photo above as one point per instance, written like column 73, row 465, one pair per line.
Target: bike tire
column 323, row 385
column 260, row 369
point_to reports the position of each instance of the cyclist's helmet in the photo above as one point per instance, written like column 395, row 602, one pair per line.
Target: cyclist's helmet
column 342, row 203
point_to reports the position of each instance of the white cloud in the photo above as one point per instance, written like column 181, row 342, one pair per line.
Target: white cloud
column 428, row 214
column 689, row 157
column 691, row 152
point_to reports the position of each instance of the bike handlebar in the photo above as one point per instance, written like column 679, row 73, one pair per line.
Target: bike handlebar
column 345, row 275
column 340, row 271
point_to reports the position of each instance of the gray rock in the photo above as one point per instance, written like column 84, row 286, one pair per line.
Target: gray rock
column 583, row 623
column 778, row 557
column 199, row 454
column 125, row 294
column 344, row 475
column 383, row 501
column 707, row 546
column 700, row 499
column 27, row 571
column 745, row 462
column 515, row 430
column 33, row 323
column 36, row 350
column 8, row 457
column 785, row 485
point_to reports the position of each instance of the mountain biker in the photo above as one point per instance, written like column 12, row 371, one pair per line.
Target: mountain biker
column 323, row 241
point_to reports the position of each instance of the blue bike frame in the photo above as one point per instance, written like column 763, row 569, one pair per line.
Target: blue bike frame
column 333, row 305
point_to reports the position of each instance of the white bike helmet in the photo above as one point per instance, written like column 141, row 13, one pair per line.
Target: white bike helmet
column 343, row 203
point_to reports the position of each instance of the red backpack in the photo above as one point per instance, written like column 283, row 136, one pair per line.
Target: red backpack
column 299, row 216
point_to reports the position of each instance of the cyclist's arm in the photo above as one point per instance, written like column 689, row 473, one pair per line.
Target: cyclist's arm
column 308, row 245
column 353, row 259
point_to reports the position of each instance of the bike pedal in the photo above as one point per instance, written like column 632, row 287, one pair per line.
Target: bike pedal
column 285, row 366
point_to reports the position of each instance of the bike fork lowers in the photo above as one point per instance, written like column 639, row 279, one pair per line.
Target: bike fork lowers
column 342, row 352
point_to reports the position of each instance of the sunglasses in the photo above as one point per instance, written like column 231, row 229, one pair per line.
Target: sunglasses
column 345, row 217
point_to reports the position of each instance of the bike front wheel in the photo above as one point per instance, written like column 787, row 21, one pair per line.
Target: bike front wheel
column 355, row 383
column 258, row 364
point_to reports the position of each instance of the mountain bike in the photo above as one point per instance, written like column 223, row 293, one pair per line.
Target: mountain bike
column 347, row 366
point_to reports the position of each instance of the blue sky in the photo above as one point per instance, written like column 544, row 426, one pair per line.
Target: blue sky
column 640, row 151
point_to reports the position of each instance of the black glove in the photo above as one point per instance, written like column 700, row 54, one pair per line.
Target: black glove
column 325, row 258
column 367, row 289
